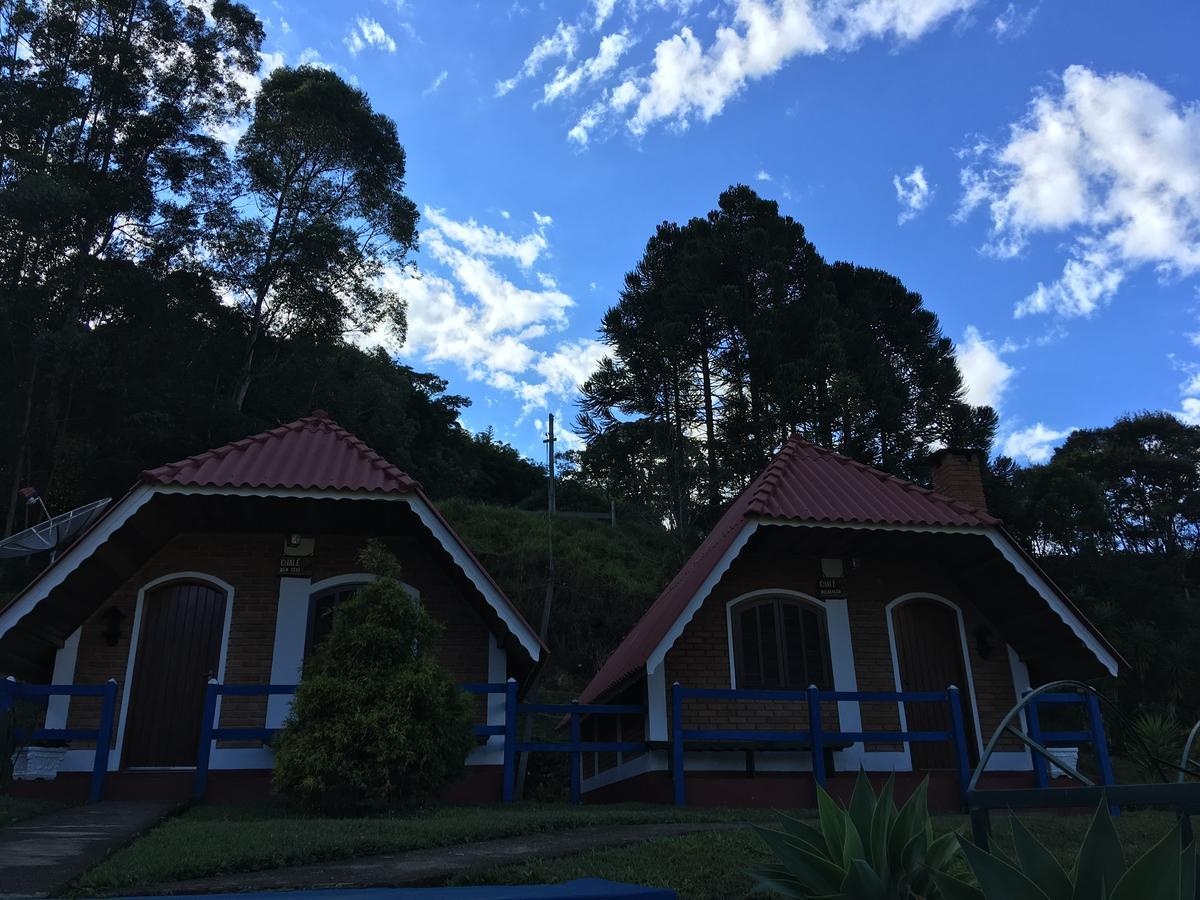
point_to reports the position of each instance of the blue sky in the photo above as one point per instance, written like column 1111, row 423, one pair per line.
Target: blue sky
column 1032, row 169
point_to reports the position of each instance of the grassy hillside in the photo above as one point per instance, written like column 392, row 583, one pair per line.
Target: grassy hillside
column 605, row 577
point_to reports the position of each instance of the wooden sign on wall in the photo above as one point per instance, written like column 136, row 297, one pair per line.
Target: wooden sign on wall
column 828, row 586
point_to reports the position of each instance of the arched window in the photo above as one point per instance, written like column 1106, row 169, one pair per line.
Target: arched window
column 322, row 607
column 780, row 642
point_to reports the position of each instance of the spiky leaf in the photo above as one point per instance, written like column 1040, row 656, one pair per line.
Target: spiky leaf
column 952, row 889
column 997, row 878
column 1100, row 862
column 1156, row 875
column 815, row 871
column 833, row 823
column 862, row 805
column 1039, row 863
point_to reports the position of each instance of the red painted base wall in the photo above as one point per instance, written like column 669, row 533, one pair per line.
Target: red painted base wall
column 480, row 784
column 786, row 791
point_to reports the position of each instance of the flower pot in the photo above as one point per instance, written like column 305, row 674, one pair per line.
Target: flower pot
column 37, row 763
column 1069, row 755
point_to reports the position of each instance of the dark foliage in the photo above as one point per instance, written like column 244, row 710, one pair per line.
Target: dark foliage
column 730, row 334
column 376, row 722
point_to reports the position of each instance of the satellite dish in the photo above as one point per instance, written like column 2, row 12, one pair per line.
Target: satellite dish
column 54, row 534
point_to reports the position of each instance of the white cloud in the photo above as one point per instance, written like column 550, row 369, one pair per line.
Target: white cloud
column 985, row 373
column 366, row 32
column 1012, row 22
column 463, row 309
column 913, row 193
column 602, row 9
column 436, row 83
column 1110, row 161
column 568, row 81
column 1035, row 443
column 763, row 175
column 689, row 78
column 484, row 240
column 563, row 42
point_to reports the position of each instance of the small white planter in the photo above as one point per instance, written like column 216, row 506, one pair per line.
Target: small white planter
column 1069, row 755
column 38, row 763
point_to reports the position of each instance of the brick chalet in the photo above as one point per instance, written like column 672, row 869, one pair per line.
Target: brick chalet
column 827, row 572
column 230, row 564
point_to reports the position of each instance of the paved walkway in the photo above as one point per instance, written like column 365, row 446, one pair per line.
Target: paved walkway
column 432, row 866
column 41, row 856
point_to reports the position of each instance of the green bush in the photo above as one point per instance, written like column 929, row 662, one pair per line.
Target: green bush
column 376, row 722
column 1167, row 871
column 868, row 851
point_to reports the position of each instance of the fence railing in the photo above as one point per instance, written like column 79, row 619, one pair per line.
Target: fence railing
column 1093, row 734
column 576, row 746
column 12, row 691
column 816, row 737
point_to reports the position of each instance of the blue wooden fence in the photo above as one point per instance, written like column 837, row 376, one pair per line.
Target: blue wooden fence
column 12, row 691
column 816, row 737
column 1093, row 734
column 576, row 746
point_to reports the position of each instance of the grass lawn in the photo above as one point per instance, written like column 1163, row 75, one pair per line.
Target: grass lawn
column 14, row 809
column 713, row 866
column 208, row 840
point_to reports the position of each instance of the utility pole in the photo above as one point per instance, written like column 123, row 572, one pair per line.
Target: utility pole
column 544, row 631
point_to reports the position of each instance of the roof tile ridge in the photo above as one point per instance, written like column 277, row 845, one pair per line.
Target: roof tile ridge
column 229, row 447
column 904, row 483
column 377, row 460
column 771, row 475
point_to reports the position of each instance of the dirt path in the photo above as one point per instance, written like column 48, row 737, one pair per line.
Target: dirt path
column 423, row 867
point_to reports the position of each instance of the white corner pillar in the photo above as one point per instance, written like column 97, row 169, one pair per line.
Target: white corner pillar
column 841, row 652
column 58, row 707
column 656, row 703
column 291, row 630
column 497, row 674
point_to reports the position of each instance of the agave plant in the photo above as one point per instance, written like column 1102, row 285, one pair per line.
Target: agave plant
column 867, row 851
column 1167, row 871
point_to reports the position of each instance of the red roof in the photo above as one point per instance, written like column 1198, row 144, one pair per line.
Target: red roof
column 803, row 483
column 313, row 453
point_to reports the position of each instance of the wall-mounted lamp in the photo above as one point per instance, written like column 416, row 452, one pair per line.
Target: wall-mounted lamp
column 112, row 618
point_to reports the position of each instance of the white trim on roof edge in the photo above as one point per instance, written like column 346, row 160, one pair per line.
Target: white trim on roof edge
column 138, row 497
column 76, row 554
column 660, row 651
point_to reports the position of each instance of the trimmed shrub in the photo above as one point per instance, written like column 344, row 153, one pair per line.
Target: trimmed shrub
column 376, row 722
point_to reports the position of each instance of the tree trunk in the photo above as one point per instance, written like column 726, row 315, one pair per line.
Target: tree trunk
column 714, row 496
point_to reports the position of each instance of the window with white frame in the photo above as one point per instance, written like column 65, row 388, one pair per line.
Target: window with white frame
column 780, row 642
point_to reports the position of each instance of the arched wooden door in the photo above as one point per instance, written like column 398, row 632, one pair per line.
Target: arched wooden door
column 929, row 653
column 178, row 650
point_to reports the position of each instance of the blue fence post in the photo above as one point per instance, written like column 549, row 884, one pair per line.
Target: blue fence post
column 1100, row 742
column 1041, row 776
column 103, row 741
column 960, row 740
column 205, row 749
column 677, row 743
column 576, row 756
column 814, row 735
column 510, row 738
column 7, row 689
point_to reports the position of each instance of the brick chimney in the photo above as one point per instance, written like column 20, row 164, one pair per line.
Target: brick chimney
column 957, row 473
